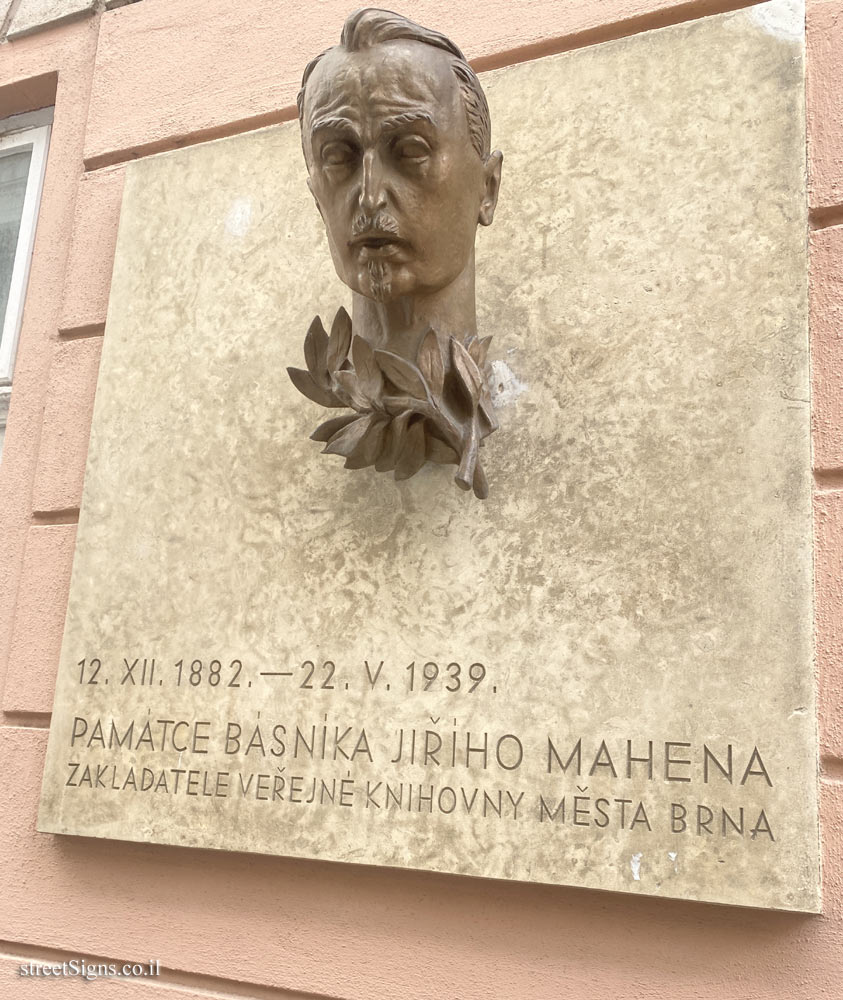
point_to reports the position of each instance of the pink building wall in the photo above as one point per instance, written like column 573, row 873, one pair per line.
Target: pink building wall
column 157, row 75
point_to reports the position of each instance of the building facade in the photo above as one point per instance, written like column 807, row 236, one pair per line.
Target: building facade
column 87, row 87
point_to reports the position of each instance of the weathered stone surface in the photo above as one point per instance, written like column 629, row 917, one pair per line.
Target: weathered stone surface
column 825, row 103
column 650, row 584
column 37, row 634
column 33, row 15
column 67, row 425
column 96, row 214
column 828, row 569
column 4, row 9
column 826, row 257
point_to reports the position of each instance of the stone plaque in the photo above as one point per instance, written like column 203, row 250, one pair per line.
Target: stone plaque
column 600, row 676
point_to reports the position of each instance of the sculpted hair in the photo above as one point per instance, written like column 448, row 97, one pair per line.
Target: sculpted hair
column 369, row 27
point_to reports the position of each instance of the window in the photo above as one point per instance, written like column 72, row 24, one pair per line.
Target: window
column 23, row 157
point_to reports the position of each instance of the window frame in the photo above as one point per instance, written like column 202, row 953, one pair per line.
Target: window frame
column 16, row 134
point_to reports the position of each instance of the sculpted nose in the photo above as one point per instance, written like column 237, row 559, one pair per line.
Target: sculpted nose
column 372, row 193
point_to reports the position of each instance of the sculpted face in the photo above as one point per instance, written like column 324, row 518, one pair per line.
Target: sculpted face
column 395, row 133
column 392, row 168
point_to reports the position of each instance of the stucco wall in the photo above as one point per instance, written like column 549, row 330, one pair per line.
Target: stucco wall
column 155, row 75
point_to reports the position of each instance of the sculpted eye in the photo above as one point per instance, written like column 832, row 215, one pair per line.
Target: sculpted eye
column 337, row 154
column 412, row 148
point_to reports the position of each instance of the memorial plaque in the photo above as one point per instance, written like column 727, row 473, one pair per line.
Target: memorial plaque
column 602, row 675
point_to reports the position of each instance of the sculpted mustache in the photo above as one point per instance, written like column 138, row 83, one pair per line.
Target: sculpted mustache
column 374, row 224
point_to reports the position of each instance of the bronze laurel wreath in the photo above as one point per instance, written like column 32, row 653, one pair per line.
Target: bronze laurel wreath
column 438, row 409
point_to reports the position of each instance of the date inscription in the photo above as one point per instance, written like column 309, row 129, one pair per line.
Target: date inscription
column 316, row 674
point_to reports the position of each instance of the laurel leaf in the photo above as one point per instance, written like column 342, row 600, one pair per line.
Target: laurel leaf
column 412, row 455
column 397, row 404
column 439, row 452
column 430, row 363
column 468, row 459
column 393, row 441
column 350, row 386
column 385, row 462
column 481, row 484
column 368, row 373
column 346, row 440
column 488, row 410
column 479, row 350
column 369, row 446
column 307, row 386
column 324, row 432
column 339, row 341
column 403, row 374
column 467, row 371
column 316, row 349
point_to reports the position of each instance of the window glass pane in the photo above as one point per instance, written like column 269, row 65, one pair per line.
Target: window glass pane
column 14, row 169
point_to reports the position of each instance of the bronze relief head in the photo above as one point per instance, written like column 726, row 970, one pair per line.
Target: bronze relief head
column 396, row 138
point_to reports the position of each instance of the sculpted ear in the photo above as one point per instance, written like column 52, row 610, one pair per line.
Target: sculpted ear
column 492, row 171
